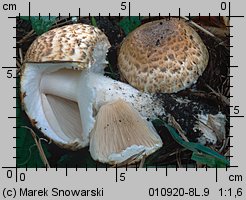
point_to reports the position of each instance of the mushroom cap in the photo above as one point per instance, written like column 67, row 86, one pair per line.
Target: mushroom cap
column 121, row 134
column 71, row 43
column 72, row 47
column 162, row 56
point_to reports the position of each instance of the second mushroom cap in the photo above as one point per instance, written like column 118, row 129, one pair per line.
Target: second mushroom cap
column 163, row 56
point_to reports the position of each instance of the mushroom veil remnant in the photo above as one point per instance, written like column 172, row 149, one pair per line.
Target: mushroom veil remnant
column 162, row 56
column 63, row 86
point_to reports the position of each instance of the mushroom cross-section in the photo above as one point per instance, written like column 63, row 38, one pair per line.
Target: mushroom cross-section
column 63, row 85
column 162, row 56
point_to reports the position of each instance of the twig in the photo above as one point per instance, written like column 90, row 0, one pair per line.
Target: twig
column 224, row 145
column 178, row 158
column 29, row 156
column 217, row 31
column 199, row 27
column 142, row 162
column 21, row 56
column 227, row 153
column 217, row 134
column 31, row 33
column 221, row 96
column 176, row 125
column 60, row 23
column 203, row 123
column 19, row 67
column 19, row 62
column 130, row 160
column 226, row 20
column 39, row 146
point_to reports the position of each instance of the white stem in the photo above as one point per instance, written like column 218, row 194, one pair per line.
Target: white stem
column 92, row 90
column 97, row 90
column 106, row 89
column 62, row 83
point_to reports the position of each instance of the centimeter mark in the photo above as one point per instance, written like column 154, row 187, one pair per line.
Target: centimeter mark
column 116, row 169
column 129, row 13
column 10, row 67
column 99, row 15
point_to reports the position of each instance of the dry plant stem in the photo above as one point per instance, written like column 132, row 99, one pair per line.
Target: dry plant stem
column 225, row 141
column 59, row 19
column 129, row 161
column 203, row 122
column 221, row 42
column 19, row 62
column 175, row 124
column 178, row 158
column 227, row 153
column 39, row 146
column 199, row 27
column 29, row 157
column 21, row 56
column 19, row 67
column 58, row 23
column 199, row 93
column 221, row 96
column 199, row 165
column 61, row 24
column 181, row 150
column 224, row 145
column 141, row 165
column 211, row 128
column 28, row 35
column 218, row 31
column 226, row 20
column 225, row 89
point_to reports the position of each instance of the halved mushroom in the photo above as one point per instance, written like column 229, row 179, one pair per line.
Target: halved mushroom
column 121, row 134
column 63, row 85
column 162, row 56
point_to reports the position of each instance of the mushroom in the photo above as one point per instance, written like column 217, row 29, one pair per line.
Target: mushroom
column 121, row 134
column 63, row 86
column 162, row 56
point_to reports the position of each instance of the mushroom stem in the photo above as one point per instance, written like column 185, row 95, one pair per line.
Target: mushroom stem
column 62, row 83
column 92, row 90
column 76, row 86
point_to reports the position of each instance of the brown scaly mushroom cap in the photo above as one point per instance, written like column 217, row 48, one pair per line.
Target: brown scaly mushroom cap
column 72, row 43
column 163, row 56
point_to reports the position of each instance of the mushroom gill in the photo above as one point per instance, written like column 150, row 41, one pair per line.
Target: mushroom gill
column 120, row 134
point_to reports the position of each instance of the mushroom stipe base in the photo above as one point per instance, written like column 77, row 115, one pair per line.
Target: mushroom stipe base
column 206, row 97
